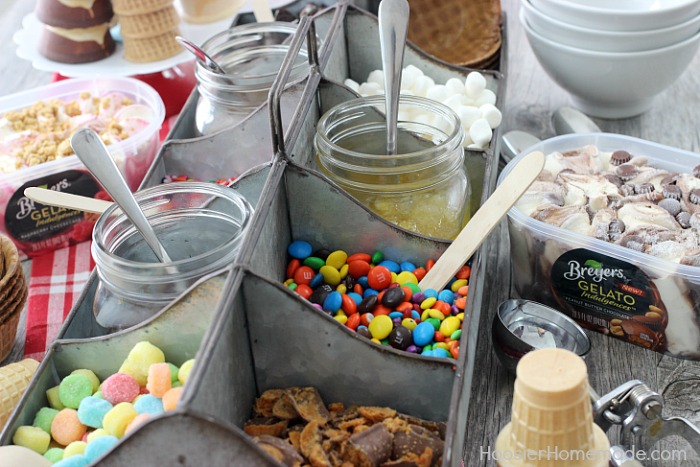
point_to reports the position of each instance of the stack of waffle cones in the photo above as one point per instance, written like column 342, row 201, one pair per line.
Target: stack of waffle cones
column 464, row 33
column 14, row 379
column 13, row 294
column 148, row 28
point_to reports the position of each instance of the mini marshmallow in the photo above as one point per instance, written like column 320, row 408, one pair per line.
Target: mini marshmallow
column 474, row 84
column 468, row 114
column 492, row 115
column 412, row 72
column 455, row 86
column 469, row 99
column 438, row 93
column 370, row 89
column 377, row 77
column 407, row 113
column 354, row 85
column 486, row 97
column 480, row 132
column 442, row 124
column 456, row 101
column 422, row 85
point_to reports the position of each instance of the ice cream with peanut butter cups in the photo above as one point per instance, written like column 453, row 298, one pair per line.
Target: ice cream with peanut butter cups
column 620, row 197
column 75, row 31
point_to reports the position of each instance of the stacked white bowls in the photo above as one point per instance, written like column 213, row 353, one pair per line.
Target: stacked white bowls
column 613, row 57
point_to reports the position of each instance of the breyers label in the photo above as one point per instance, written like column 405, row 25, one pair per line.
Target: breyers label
column 39, row 228
column 609, row 294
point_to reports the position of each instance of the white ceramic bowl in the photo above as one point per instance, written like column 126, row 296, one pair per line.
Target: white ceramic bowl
column 627, row 15
column 607, row 84
column 607, row 41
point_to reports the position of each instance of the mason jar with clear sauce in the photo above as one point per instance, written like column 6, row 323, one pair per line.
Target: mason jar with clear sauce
column 200, row 225
column 251, row 55
column 424, row 187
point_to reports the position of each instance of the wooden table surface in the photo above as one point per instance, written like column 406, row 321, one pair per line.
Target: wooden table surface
column 530, row 100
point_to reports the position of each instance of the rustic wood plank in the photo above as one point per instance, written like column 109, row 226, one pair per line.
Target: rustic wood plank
column 531, row 97
column 530, row 100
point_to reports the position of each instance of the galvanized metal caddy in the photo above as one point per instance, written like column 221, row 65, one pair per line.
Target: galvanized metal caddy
column 247, row 331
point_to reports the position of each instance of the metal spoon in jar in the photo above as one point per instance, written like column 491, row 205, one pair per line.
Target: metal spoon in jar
column 393, row 28
column 93, row 154
column 204, row 58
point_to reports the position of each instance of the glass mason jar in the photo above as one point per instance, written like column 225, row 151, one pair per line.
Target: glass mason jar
column 251, row 55
column 201, row 226
column 424, row 187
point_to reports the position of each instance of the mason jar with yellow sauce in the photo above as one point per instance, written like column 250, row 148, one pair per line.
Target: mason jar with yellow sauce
column 424, row 187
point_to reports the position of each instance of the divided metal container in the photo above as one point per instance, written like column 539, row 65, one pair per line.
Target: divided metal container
column 246, row 330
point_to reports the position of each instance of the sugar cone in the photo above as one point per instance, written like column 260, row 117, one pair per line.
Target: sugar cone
column 149, row 24
column 14, row 379
column 552, row 419
column 133, row 7
column 152, row 49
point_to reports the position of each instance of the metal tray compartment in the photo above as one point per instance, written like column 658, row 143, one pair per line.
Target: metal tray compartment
column 177, row 330
column 348, row 49
column 80, row 322
column 257, row 334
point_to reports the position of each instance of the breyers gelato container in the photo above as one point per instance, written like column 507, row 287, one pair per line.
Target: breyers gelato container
column 35, row 130
column 610, row 235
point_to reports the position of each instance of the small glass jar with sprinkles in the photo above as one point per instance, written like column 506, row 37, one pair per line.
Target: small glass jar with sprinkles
column 424, row 187
column 201, row 226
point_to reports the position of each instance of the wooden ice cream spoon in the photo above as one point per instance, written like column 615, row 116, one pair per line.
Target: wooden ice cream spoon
column 483, row 221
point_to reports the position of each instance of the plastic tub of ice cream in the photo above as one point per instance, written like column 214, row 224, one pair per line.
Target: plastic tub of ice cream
column 35, row 127
column 612, row 238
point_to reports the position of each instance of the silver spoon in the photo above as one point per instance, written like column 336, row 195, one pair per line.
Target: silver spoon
column 393, row 27
column 569, row 120
column 93, row 154
column 201, row 55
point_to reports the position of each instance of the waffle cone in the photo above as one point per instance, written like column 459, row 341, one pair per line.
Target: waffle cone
column 135, row 7
column 14, row 379
column 455, row 31
column 7, row 291
column 149, row 24
column 9, row 261
column 8, row 324
column 12, row 296
column 151, row 49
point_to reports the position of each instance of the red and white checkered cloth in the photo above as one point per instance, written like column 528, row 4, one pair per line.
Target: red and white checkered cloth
column 55, row 283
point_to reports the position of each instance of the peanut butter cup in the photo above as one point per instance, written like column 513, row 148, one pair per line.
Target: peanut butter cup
column 669, row 180
column 683, row 218
column 626, row 172
column 672, row 192
column 644, row 188
column 694, row 196
column 620, row 157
